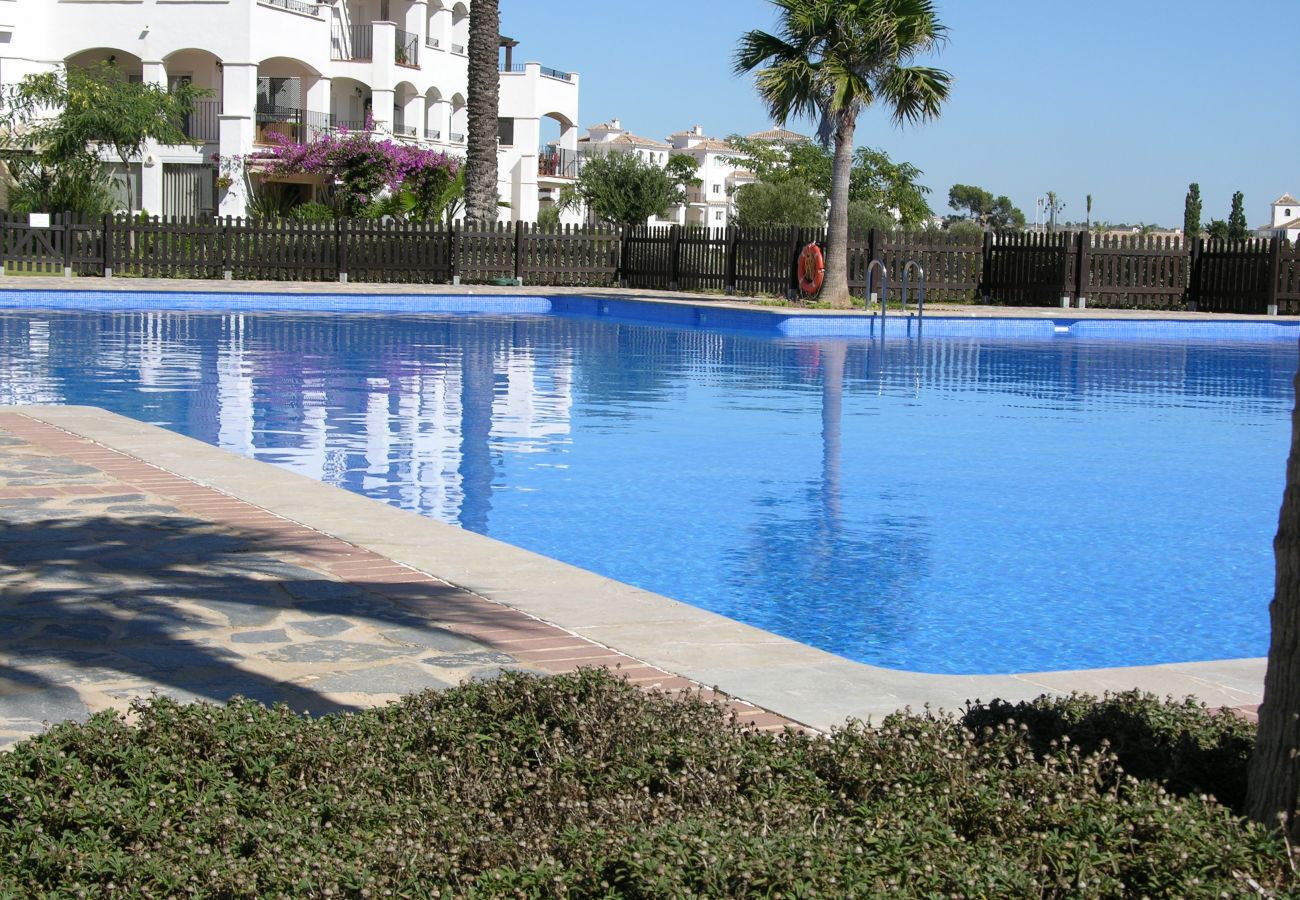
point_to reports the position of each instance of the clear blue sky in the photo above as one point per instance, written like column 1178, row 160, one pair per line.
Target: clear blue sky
column 1129, row 100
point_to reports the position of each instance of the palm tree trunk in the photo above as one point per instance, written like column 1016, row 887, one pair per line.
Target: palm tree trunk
column 481, row 129
column 1274, row 778
column 836, row 289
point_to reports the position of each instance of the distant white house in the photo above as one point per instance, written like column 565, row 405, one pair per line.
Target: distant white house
column 711, row 203
column 1284, row 219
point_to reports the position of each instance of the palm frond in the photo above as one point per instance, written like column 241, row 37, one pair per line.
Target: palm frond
column 758, row 47
column 915, row 93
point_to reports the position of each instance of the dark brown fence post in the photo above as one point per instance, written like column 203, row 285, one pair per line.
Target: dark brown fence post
column 674, row 255
column 729, row 279
column 341, row 250
column 792, row 287
column 986, row 268
column 624, row 250
column 1274, row 275
column 1081, row 270
column 227, row 249
column 108, row 245
column 1194, row 269
column 66, row 221
column 521, row 238
column 452, row 274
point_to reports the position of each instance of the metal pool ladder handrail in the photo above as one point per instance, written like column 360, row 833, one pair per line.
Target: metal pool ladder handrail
column 884, row 284
column 920, row 286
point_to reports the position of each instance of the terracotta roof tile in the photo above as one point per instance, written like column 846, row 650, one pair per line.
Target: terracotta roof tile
column 779, row 134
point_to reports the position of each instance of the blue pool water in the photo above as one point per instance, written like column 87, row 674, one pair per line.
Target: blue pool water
column 962, row 502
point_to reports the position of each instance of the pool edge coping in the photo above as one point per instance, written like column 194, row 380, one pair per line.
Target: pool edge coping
column 730, row 303
column 795, row 680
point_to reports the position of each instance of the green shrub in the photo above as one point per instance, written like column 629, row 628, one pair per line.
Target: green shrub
column 312, row 212
column 581, row 785
column 1181, row 744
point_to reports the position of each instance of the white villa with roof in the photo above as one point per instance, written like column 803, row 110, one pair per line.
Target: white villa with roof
column 297, row 68
column 712, row 202
column 1284, row 220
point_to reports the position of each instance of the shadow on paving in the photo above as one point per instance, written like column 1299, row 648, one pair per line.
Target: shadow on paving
column 156, row 600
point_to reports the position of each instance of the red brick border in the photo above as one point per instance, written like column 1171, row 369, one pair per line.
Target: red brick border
column 530, row 640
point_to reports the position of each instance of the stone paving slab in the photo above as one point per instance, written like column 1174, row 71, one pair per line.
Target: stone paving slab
column 119, row 579
column 543, row 613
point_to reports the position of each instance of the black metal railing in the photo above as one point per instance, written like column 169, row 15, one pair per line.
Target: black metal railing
column 432, row 43
column 555, row 162
column 203, row 122
column 432, row 134
column 310, row 9
column 291, row 122
column 458, row 48
column 356, row 42
column 516, row 68
column 403, row 130
column 406, row 51
column 348, row 124
column 457, row 138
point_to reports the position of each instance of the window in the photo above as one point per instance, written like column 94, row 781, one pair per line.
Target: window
column 717, row 189
column 1288, row 212
column 506, row 132
column 717, row 216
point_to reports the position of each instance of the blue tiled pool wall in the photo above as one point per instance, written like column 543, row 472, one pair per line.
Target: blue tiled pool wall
column 670, row 314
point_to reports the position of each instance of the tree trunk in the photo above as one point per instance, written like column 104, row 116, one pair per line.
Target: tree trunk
column 1275, row 764
column 836, row 286
column 484, row 94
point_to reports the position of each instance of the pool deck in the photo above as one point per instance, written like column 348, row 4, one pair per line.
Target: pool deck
column 133, row 559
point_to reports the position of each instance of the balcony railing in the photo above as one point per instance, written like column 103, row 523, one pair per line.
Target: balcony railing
column 203, row 122
column 458, row 48
column 309, row 9
column 432, row 134
column 291, row 122
column 432, row 43
column 457, row 138
column 553, row 162
column 519, row 68
column 406, row 52
column 348, row 124
column 403, row 130
column 357, row 42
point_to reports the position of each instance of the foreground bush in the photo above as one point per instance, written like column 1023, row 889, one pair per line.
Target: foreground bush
column 581, row 785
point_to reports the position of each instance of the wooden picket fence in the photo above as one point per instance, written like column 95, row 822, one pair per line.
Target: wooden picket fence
column 1131, row 272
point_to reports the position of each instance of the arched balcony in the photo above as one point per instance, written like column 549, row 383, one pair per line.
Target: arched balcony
column 292, row 101
column 351, row 104
column 459, row 120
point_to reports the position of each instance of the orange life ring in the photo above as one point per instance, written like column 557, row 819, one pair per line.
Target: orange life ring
column 812, row 269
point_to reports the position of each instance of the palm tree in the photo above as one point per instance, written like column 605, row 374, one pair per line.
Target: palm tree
column 484, row 96
column 833, row 59
column 1273, row 794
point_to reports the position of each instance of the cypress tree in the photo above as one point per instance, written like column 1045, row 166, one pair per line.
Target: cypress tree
column 1192, row 214
column 1237, row 230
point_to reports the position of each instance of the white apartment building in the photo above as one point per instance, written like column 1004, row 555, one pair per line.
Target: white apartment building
column 296, row 67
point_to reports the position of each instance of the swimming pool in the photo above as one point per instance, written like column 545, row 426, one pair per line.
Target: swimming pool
column 978, row 499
